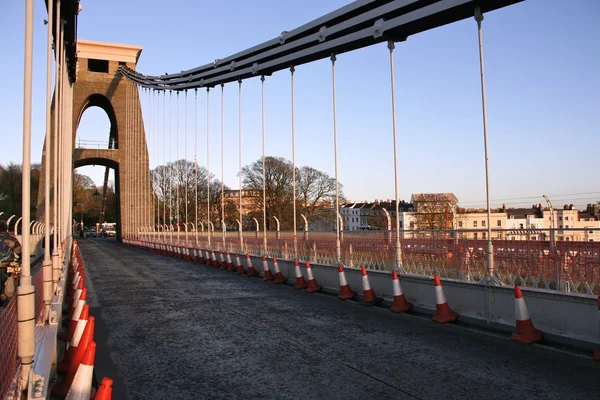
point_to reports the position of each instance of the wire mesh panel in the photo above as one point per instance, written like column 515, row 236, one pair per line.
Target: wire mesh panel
column 8, row 346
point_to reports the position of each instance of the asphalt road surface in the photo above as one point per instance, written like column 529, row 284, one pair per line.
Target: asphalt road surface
column 171, row 329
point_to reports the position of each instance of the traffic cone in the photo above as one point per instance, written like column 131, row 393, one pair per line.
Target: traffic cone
column 76, row 295
column 400, row 303
column 222, row 259
column 230, row 266
column 187, row 254
column 87, row 338
column 251, row 270
column 313, row 286
column 525, row 331
column 443, row 313
column 201, row 259
column 597, row 352
column 368, row 292
column 267, row 274
column 105, row 390
column 208, row 258
column 345, row 292
column 300, row 282
column 240, row 267
column 215, row 263
column 279, row 277
column 67, row 335
column 64, row 364
column 81, row 388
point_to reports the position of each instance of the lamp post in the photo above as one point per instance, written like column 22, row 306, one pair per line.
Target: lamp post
column 96, row 197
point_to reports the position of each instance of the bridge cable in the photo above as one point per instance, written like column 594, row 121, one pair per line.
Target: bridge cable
column 208, row 166
column 186, row 167
column 151, row 152
column 399, row 268
column 165, row 167
column 241, row 222
column 155, row 175
column 196, row 166
column 171, row 167
column 292, row 70
column 338, row 249
column 264, row 193
column 223, row 227
column 177, row 194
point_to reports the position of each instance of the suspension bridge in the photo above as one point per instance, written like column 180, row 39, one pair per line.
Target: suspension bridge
column 170, row 308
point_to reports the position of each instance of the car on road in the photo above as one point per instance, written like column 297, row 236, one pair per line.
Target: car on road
column 110, row 232
column 91, row 232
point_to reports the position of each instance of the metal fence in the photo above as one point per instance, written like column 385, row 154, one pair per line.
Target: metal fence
column 565, row 265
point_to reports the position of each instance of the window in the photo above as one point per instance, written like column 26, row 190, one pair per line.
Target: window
column 482, row 223
column 483, row 235
column 499, row 223
column 591, row 232
column 520, row 226
column 475, row 236
column 400, row 224
column 566, row 226
column 98, row 65
column 474, row 224
column 560, row 218
column 460, row 224
column 412, row 224
column 567, row 218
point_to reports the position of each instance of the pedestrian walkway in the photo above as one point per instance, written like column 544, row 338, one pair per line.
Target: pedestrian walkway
column 175, row 329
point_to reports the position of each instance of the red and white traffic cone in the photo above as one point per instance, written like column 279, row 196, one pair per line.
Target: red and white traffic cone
column 267, row 274
column 87, row 338
column 215, row 263
column 67, row 335
column 65, row 363
column 251, row 270
column 105, row 390
column 312, row 286
column 75, row 298
column 201, row 259
column 222, row 260
column 443, row 313
column 81, row 388
column 208, row 258
column 279, row 277
column 230, row 266
column 345, row 292
column 525, row 332
column 368, row 292
column 240, row 268
column 597, row 352
column 400, row 303
column 300, row 282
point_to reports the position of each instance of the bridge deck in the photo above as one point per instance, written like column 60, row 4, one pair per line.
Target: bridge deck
column 173, row 329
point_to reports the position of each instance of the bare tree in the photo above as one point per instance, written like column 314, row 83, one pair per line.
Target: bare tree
column 435, row 210
column 315, row 190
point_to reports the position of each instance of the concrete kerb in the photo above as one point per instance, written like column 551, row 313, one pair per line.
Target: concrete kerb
column 566, row 319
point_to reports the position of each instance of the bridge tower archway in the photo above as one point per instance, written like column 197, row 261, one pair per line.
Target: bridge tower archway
column 99, row 84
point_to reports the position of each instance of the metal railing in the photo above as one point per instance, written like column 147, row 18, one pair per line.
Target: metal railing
column 111, row 144
column 570, row 263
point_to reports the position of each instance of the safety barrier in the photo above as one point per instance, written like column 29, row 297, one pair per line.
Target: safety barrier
column 565, row 317
column 567, row 266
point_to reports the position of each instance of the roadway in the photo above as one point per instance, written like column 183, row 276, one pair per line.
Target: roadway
column 169, row 328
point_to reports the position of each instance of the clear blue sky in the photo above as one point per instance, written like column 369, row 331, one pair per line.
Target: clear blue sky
column 543, row 89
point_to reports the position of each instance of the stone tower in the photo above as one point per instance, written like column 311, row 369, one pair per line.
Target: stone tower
column 99, row 84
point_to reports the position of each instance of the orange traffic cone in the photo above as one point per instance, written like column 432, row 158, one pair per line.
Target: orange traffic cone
column 345, row 292
column 68, row 334
column 368, row 292
column 63, row 366
column 230, row 266
column 300, row 282
column 313, row 286
column 208, row 258
column 525, row 331
column 222, row 259
column 201, row 259
column 251, row 270
column 81, row 388
column 62, row 389
column 400, row 303
column 443, row 313
column 279, row 277
column 214, row 262
column 240, row 268
column 105, row 390
column 267, row 274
